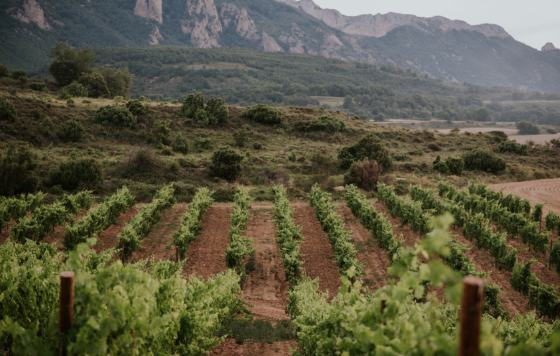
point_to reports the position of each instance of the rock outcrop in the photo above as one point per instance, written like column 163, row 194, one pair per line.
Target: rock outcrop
column 31, row 12
column 155, row 36
column 202, row 22
column 549, row 47
column 238, row 18
column 150, row 9
column 269, row 44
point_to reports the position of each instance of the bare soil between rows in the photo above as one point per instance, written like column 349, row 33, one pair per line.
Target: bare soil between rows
column 109, row 238
column 278, row 348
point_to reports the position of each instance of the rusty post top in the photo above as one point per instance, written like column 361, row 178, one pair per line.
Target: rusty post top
column 474, row 281
column 67, row 274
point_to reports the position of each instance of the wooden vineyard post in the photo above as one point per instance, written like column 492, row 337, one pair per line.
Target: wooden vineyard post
column 471, row 314
column 66, row 306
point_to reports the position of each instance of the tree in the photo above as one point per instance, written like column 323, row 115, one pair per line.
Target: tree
column 95, row 84
column 367, row 148
column 69, row 64
column 226, row 164
column 192, row 104
column 17, row 171
column 364, row 174
column 217, row 111
column 527, row 128
column 118, row 81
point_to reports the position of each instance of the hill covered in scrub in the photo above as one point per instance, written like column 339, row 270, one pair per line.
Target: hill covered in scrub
column 61, row 144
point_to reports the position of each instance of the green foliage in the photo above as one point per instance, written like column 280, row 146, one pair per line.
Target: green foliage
column 71, row 131
column 77, row 174
column 328, row 124
column 16, row 207
column 7, row 111
column 263, row 114
column 538, row 213
column 288, row 236
column 212, row 112
column 555, row 256
column 98, row 219
column 513, row 147
column 552, row 222
column 180, row 144
column 161, row 132
column 218, row 112
column 374, row 221
column 17, row 171
column 409, row 212
column 527, row 128
column 451, row 165
column 543, row 297
column 95, row 84
column 115, row 115
column 240, row 247
column 364, row 174
column 118, row 81
column 137, row 108
column 511, row 202
column 192, row 221
column 4, row 72
column 119, row 309
column 73, row 90
column 341, row 239
column 192, row 104
column 226, row 164
column 484, row 161
column 137, row 228
column 46, row 217
column 68, row 64
column 368, row 148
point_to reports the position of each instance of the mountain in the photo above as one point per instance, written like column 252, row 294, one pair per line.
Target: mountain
column 442, row 48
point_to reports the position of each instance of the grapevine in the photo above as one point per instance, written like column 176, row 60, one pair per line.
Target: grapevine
column 240, row 247
column 16, row 207
column 192, row 220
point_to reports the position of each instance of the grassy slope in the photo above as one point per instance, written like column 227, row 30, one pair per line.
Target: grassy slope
column 314, row 157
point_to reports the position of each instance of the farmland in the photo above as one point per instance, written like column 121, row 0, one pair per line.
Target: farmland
column 248, row 235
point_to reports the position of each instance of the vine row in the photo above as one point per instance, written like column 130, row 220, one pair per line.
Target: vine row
column 240, row 247
column 192, row 221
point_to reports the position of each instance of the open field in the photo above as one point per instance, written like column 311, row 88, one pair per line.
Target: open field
column 542, row 191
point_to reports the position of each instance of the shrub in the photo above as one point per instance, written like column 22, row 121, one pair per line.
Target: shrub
column 364, row 174
column 201, row 117
column 7, row 111
column 527, row 128
column 192, row 103
column 71, row 131
column 95, row 84
column 449, row 166
column 77, row 174
column 142, row 163
column 19, row 75
column 137, row 108
column 161, row 133
column 74, row 89
column 69, row 64
column 327, row 124
column 513, row 147
column 217, row 111
column 4, row 71
column 37, row 86
column 180, row 144
column 484, row 161
column 202, row 144
column 263, row 114
column 367, row 148
column 118, row 81
column 241, row 138
column 226, row 164
column 116, row 116
column 17, row 171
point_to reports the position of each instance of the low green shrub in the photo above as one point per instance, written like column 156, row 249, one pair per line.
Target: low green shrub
column 263, row 114
column 116, row 115
column 7, row 111
column 368, row 147
column 77, row 174
column 226, row 164
column 484, row 161
column 71, row 131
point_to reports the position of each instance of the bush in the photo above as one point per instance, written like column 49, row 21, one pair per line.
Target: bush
column 226, row 164
column 73, row 90
column 192, row 104
column 527, row 128
column 367, row 148
column 137, row 108
column 78, row 174
column 263, row 114
column 217, row 111
column 449, row 166
column 201, row 117
column 7, row 111
column 161, row 133
column 95, row 84
column 71, row 131
column 180, row 144
column 4, row 72
column 142, row 164
column 17, row 171
column 484, row 161
column 241, row 138
column 513, row 147
column 364, row 174
column 19, row 75
column 69, row 64
column 118, row 81
column 327, row 124
column 116, row 116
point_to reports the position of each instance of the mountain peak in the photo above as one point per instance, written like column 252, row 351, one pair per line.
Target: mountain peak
column 549, row 47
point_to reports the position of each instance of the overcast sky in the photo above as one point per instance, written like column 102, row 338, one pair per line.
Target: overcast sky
column 533, row 22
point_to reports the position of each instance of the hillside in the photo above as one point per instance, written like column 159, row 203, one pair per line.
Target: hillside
column 442, row 48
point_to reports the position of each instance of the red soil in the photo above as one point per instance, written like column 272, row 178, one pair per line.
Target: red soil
column 279, row 348
column 265, row 288
column 372, row 256
column 206, row 255
column 158, row 244
column 316, row 251
column 109, row 237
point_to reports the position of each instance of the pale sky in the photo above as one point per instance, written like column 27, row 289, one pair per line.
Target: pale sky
column 533, row 22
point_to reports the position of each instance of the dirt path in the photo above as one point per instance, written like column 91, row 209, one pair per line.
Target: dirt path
column 279, row 348
column 108, row 238
column 372, row 256
column 265, row 289
column 543, row 191
column 206, row 255
column 158, row 245
column 316, row 251
column 512, row 301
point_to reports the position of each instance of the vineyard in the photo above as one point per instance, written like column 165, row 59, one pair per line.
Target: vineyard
column 332, row 273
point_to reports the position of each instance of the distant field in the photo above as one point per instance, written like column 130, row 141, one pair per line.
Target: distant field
column 543, row 191
column 332, row 101
column 511, row 132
